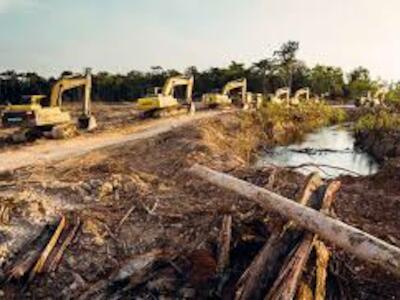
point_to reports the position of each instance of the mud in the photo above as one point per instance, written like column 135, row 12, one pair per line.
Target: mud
column 179, row 214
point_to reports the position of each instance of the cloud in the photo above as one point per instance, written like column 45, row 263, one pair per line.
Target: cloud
column 7, row 6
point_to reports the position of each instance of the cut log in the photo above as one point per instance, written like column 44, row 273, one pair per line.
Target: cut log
column 362, row 245
column 224, row 244
column 264, row 268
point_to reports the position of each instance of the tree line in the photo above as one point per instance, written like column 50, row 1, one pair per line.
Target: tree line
column 283, row 68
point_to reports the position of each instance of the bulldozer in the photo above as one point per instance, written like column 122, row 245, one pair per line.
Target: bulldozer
column 164, row 104
column 373, row 100
column 223, row 99
column 36, row 119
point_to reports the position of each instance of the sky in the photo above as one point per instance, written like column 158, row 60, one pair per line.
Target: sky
column 49, row 36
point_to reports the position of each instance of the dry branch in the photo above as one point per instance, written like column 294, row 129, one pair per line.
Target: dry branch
column 362, row 245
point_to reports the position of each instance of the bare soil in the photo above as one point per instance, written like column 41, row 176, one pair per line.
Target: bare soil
column 179, row 214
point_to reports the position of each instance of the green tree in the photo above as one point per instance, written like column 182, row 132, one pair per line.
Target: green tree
column 327, row 80
column 360, row 83
column 286, row 58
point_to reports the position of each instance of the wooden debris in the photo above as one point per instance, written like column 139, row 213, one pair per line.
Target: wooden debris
column 26, row 260
column 224, row 244
column 362, row 245
column 323, row 256
column 38, row 268
column 132, row 273
column 304, row 292
column 69, row 236
column 286, row 285
column 265, row 266
column 125, row 217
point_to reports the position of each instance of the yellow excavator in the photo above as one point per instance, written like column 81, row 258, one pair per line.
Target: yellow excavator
column 300, row 95
column 213, row 100
column 165, row 104
column 36, row 120
column 374, row 100
column 281, row 95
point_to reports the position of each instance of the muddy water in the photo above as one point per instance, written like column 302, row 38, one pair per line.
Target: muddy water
column 332, row 146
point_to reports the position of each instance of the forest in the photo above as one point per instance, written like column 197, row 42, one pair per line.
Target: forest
column 281, row 69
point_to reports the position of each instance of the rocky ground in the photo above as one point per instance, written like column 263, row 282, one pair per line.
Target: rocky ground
column 139, row 199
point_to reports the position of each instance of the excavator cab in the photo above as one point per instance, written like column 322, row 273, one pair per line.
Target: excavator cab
column 20, row 114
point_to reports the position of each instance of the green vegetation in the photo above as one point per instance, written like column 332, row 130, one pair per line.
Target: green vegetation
column 308, row 116
column 381, row 120
column 281, row 69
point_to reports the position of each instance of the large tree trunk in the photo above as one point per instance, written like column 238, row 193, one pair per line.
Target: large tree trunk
column 362, row 245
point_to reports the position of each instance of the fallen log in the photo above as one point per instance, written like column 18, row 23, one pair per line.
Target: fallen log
column 224, row 245
column 264, row 268
column 362, row 245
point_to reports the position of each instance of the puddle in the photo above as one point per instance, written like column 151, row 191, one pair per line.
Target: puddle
column 332, row 146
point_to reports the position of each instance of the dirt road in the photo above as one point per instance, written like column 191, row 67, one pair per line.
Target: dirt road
column 55, row 150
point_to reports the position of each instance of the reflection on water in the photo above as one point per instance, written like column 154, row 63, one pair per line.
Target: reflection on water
column 333, row 146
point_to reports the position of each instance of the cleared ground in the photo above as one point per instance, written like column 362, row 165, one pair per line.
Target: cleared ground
column 172, row 211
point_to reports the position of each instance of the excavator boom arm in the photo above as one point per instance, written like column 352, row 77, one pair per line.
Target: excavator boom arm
column 69, row 83
column 169, row 87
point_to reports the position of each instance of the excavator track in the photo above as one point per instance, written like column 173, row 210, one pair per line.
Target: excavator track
column 169, row 112
column 63, row 131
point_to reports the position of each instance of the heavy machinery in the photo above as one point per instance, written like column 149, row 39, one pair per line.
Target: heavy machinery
column 300, row 94
column 165, row 104
column 224, row 99
column 374, row 100
column 254, row 100
column 36, row 120
column 281, row 95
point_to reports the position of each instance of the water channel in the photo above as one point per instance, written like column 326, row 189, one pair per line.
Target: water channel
column 320, row 151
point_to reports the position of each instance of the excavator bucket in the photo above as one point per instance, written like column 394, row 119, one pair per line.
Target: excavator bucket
column 88, row 123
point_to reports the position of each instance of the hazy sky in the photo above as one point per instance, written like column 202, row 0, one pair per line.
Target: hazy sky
column 48, row 36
